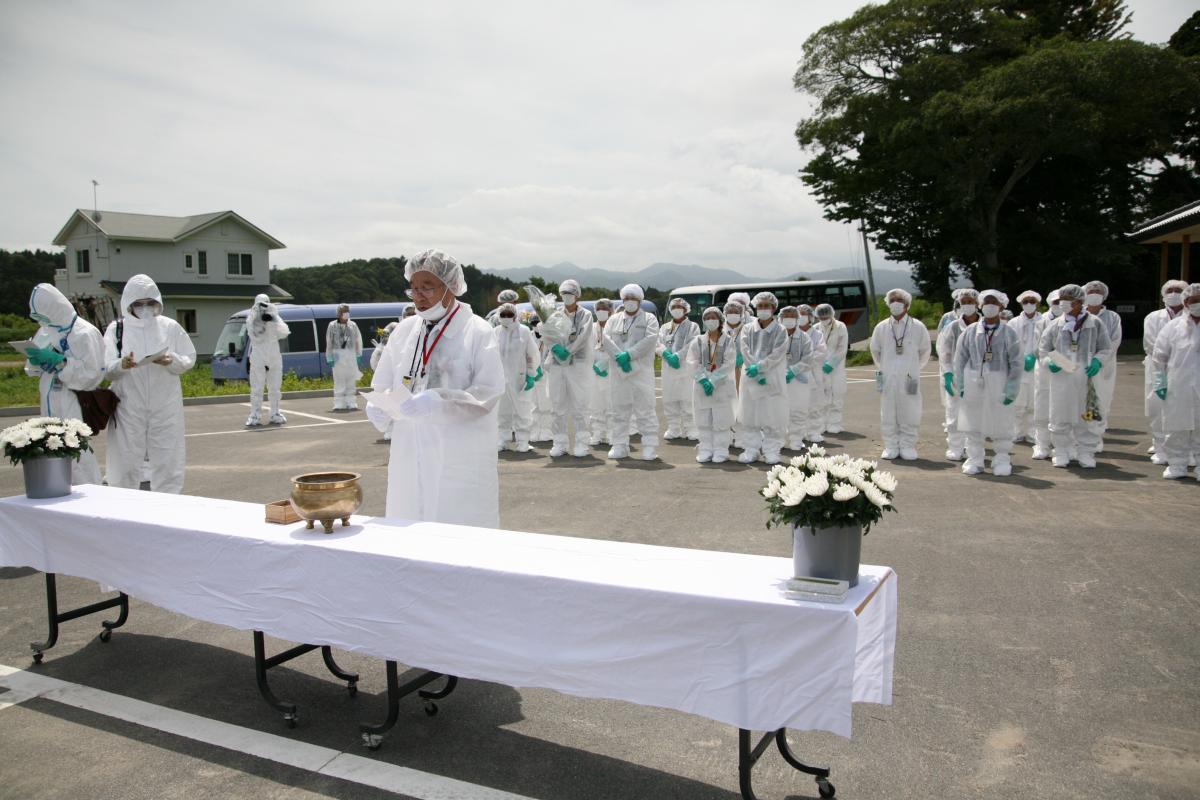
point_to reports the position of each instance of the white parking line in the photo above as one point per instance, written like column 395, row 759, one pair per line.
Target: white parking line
column 303, row 414
column 280, row 427
column 326, row 761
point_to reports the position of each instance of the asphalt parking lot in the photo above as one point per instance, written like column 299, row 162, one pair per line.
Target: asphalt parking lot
column 1048, row 638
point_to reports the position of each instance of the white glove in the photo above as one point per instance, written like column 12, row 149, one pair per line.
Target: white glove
column 421, row 405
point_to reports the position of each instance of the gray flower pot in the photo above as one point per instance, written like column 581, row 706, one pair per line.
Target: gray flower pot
column 47, row 476
column 831, row 553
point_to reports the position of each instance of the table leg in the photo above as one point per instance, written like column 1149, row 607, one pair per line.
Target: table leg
column 372, row 735
column 54, row 618
column 262, row 664
column 749, row 755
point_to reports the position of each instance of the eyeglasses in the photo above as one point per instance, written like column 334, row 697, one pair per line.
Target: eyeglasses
column 415, row 292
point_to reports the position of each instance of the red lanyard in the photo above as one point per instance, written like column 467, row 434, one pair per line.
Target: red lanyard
column 426, row 353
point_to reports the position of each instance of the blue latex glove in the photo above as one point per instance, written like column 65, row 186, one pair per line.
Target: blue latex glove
column 1055, row 368
column 740, row 360
column 707, row 386
column 1030, row 362
column 671, row 358
column 827, row 368
column 948, row 381
column 560, row 352
column 537, row 376
column 790, row 375
column 1093, row 367
column 603, row 373
column 623, row 360
column 529, row 382
column 752, row 371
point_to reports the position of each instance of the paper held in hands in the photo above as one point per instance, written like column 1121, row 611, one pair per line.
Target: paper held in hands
column 144, row 360
column 1063, row 361
column 23, row 347
column 389, row 401
column 400, row 403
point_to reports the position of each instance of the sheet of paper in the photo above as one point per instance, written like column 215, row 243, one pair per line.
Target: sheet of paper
column 389, row 400
column 22, row 347
column 1063, row 360
column 148, row 359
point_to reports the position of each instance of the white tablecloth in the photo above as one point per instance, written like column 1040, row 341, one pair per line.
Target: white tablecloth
column 697, row 631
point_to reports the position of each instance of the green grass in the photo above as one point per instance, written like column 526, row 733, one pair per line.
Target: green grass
column 14, row 328
column 859, row 358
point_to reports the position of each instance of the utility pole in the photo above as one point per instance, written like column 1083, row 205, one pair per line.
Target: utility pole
column 862, row 227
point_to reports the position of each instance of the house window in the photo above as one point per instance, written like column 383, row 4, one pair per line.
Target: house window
column 187, row 318
column 202, row 262
column 189, row 262
column 83, row 261
column 240, row 265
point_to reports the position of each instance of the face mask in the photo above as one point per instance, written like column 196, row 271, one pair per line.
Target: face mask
column 678, row 313
column 1056, row 310
column 897, row 308
column 991, row 312
column 1029, row 307
column 569, row 299
column 967, row 310
column 632, row 306
column 734, row 319
column 42, row 319
column 805, row 320
column 789, row 322
column 712, row 324
column 1194, row 309
column 508, row 322
column 765, row 313
column 143, row 312
column 1173, row 300
column 602, row 315
column 435, row 311
column 1093, row 299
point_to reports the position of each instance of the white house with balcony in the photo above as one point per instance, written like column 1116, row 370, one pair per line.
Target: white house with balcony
column 207, row 266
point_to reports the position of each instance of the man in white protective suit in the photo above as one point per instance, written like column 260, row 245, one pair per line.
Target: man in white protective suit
column 264, row 329
column 569, row 369
column 149, row 421
column 520, row 357
column 377, row 348
column 833, row 368
column 900, row 349
column 70, row 356
column 343, row 348
column 1177, row 385
column 1095, row 296
column 442, row 367
column 763, row 412
column 1028, row 327
column 630, row 339
column 674, row 337
column 967, row 300
column 1172, row 295
column 988, row 363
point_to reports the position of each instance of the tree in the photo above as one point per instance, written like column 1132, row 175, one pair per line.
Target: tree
column 1000, row 140
column 22, row 270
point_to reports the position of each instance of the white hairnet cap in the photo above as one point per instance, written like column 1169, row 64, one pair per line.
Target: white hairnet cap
column 995, row 294
column 900, row 294
column 1031, row 294
column 968, row 294
column 1052, row 297
column 734, row 305
column 262, row 300
column 570, row 285
column 1095, row 287
column 713, row 311
column 742, row 298
column 441, row 266
column 825, row 310
column 765, row 297
column 679, row 301
column 507, row 307
column 789, row 311
column 1193, row 290
column 1072, row 291
column 508, row 296
column 603, row 301
column 805, row 308
column 632, row 290
column 1174, row 284
column 954, row 294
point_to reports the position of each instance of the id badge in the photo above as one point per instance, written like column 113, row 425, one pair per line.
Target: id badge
column 899, row 348
column 987, row 356
column 1074, row 347
column 407, row 381
column 911, row 385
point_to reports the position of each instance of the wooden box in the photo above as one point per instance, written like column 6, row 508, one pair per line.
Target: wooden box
column 281, row 512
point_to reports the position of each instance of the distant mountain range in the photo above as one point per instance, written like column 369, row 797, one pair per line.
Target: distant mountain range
column 669, row 276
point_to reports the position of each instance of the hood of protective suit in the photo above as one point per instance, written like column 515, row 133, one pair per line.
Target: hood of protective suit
column 49, row 301
column 139, row 287
column 262, row 300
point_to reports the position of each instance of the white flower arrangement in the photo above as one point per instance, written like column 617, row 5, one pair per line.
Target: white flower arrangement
column 556, row 328
column 45, row 436
column 820, row 491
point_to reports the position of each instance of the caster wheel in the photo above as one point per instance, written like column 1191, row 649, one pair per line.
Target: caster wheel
column 825, row 788
column 290, row 721
column 105, row 635
column 38, row 656
column 431, row 709
column 352, row 688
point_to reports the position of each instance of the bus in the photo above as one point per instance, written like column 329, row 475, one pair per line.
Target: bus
column 304, row 348
column 848, row 298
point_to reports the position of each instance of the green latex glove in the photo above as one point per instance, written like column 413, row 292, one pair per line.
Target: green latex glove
column 623, row 360
column 603, row 373
column 762, row 381
column 752, row 371
column 1161, row 392
column 790, row 375
column 537, row 376
column 740, row 360
column 1055, row 368
column 529, row 382
column 1008, row 401
column 948, row 381
column 827, row 368
column 329, row 359
column 707, row 386
column 560, row 352
column 1093, row 367
column 671, row 358
column 1030, row 362
column 1160, row 385
column 46, row 357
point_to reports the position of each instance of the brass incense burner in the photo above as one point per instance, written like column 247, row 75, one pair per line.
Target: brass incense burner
column 326, row 496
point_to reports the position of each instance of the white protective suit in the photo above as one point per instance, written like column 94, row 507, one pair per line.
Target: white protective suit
column 442, row 464
column 519, row 354
column 763, row 415
column 1106, row 381
column 571, row 382
column 1177, row 353
column 800, row 393
column 633, row 391
column 1151, row 328
column 677, row 382
column 1028, row 330
column 543, row 409
column 814, row 427
column 988, row 362
column 837, row 344
column 83, row 348
column 600, row 411
column 343, row 343
column 1073, row 437
column 377, row 349
column 900, row 349
column 266, row 362
column 149, row 420
column 1041, row 396
column 712, row 414
column 947, row 344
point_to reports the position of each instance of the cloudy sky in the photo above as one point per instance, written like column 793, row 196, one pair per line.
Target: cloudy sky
column 613, row 135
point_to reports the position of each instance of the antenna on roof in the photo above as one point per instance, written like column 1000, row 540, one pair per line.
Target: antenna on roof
column 95, row 206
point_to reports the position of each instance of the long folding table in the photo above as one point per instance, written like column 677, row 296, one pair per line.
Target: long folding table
column 708, row 633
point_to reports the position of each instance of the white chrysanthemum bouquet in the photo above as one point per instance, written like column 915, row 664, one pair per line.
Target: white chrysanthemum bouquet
column 45, row 436
column 816, row 490
column 556, row 328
